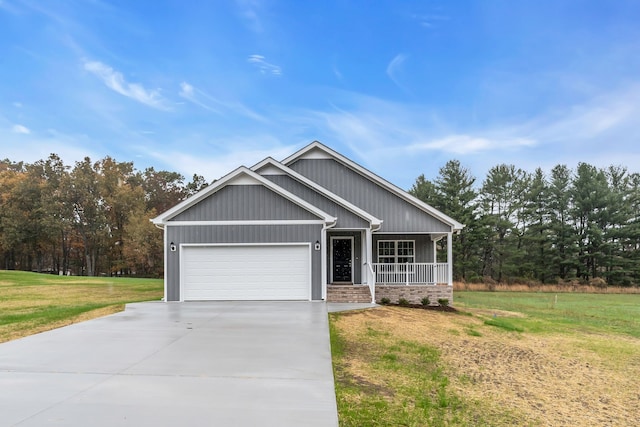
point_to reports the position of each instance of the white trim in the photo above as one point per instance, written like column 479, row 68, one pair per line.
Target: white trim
column 331, row 254
column 368, row 243
column 450, row 258
column 316, row 145
column 248, row 244
column 270, row 163
column 323, row 262
column 241, row 172
column 395, row 256
column 166, row 263
column 350, row 229
column 249, row 222
column 379, row 233
column 186, row 245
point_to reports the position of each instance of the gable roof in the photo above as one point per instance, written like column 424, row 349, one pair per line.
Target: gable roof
column 317, row 150
column 241, row 176
column 272, row 164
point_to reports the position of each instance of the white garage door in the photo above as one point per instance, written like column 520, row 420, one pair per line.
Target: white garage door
column 258, row 272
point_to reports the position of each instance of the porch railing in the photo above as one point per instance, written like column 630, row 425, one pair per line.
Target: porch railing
column 371, row 282
column 411, row 273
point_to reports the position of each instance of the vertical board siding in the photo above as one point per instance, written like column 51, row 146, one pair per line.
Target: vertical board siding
column 241, row 234
column 398, row 215
column 244, row 202
column 346, row 218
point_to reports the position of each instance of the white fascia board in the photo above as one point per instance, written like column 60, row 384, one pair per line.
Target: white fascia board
column 455, row 225
column 249, row 222
column 270, row 164
column 241, row 176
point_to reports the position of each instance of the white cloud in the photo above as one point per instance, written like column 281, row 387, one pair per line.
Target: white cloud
column 467, row 144
column 250, row 12
column 603, row 114
column 337, row 73
column 188, row 92
column 402, row 140
column 8, row 7
column 33, row 146
column 204, row 100
column 20, row 129
column 265, row 67
column 394, row 67
column 429, row 20
column 215, row 165
column 115, row 81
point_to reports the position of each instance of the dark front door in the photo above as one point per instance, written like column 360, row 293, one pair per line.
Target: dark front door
column 342, row 260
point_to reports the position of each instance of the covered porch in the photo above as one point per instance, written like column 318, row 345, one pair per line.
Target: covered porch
column 389, row 262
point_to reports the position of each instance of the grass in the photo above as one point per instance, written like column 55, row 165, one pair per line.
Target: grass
column 506, row 359
column 567, row 312
column 385, row 380
column 32, row 302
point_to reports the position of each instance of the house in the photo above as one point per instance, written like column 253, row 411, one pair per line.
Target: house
column 314, row 226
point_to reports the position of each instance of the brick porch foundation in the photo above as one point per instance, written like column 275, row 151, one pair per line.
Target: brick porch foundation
column 414, row 293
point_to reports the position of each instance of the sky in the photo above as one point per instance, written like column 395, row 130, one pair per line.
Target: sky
column 400, row 87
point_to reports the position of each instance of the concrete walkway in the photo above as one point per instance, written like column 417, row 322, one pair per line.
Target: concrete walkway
column 175, row 364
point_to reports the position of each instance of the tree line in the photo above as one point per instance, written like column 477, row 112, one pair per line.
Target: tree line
column 91, row 218
column 567, row 225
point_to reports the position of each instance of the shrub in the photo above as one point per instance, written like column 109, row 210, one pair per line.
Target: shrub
column 598, row 282
column 425, row 301
column 385, row 300
column 443, row 301
column 403, row 302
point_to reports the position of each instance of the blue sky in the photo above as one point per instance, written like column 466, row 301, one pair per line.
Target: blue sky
column 398, row 86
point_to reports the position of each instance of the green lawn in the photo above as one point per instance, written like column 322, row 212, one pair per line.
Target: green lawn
column 568, row 312
column 32, row 302
column 494, row 363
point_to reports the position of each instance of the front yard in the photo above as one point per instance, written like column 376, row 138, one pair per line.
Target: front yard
column 571, row 361
column 32, row 303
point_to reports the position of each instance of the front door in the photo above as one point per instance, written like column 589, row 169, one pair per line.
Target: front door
column 342, row 249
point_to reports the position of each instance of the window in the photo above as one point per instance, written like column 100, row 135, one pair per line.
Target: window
column 396, row 251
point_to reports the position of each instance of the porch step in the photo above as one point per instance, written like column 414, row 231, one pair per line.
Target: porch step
column 348, row 293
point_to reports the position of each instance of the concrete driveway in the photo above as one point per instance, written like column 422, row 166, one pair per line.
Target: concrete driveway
column 175, row 364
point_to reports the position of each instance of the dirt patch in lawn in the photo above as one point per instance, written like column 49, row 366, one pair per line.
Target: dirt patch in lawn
column 547, row 379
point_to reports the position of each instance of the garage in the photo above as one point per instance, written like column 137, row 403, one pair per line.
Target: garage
column 245, row 272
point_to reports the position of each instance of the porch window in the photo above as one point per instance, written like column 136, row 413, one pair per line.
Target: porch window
column 396, row 251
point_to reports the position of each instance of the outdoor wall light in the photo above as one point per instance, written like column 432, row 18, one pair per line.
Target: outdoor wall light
column 316, row 246
column 173, row 247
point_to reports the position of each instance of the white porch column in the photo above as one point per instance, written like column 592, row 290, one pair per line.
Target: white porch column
column 434, row 248
column 368, row 242
column 450, row 258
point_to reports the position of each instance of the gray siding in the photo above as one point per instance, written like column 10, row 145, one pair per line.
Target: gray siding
column 346, row 218
column 398, row 215
column 241, row 234
column 244, row 202
column 423, row 245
